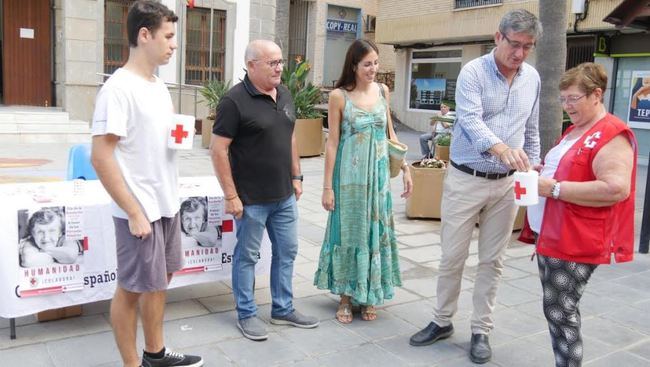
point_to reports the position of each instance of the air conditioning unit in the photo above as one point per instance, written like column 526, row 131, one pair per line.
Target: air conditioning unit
column 371, row 21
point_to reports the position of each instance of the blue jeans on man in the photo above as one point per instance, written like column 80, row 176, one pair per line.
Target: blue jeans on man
column 425, row 149
column 281, row 222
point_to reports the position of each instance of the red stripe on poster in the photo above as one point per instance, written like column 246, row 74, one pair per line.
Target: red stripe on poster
column 195, row 269
column 227, row 226
column 41, row 291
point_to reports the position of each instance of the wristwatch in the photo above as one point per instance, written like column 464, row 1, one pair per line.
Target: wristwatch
column 555, row 191
column 299, row 177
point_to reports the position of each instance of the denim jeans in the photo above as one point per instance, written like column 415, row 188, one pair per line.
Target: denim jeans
column 424, row 144
column 281, row 222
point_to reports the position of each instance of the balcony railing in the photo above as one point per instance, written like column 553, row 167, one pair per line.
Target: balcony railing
column 462, row 4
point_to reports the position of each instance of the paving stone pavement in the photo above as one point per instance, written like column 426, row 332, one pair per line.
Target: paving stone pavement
column 201, row 319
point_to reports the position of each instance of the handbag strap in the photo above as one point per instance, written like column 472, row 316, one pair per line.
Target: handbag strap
column 381, row 91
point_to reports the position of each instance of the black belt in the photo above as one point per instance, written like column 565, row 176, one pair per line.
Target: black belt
column 473, row 172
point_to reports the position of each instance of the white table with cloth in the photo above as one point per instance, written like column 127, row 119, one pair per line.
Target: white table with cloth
column 28, row 287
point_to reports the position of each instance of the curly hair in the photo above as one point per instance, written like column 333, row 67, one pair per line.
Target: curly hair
column 587, row 77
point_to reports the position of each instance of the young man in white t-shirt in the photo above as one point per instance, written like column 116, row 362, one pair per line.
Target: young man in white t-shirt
column 130, row 126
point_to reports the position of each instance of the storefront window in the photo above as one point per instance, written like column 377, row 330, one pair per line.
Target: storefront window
column 433, row 75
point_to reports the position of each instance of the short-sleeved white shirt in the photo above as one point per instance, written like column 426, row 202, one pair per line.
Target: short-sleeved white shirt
column 140, row 111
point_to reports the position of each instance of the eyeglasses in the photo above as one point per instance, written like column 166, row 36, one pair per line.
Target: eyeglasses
column 570, row 100
column 518, row 45
column 274, row 63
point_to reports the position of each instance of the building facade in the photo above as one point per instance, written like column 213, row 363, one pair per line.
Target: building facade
column 56, row 53
column 321, row 31
column 73, row 44
column 433, row 39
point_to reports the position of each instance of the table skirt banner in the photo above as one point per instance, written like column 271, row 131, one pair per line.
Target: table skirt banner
column 58, row 243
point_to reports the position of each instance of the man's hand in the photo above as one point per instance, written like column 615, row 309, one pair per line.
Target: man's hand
column 297, row 188
column 139, row 225
column 515, row 159
column 235, row 207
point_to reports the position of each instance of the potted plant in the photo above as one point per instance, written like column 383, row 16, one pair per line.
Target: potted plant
column 442, row 146
column 309, row 121
column 212, row 91
column 428, row 176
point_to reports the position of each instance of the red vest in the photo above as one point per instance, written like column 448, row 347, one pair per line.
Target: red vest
column 584, row 234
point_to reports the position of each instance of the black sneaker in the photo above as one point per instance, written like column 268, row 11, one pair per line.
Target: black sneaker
column 172, row 359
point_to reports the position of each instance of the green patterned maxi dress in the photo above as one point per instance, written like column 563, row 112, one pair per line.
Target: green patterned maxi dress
column 359, row 254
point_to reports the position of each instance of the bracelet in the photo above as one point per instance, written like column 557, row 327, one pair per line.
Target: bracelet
column 327, row 188
column 232, row 197
column 507, row 149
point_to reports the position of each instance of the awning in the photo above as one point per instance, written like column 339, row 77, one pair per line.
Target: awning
column 631, row 13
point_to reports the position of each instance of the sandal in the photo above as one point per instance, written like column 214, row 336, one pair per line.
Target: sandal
column 344, row 313
column 368, row 313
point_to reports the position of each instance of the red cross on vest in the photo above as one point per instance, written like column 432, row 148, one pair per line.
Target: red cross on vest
column 178, row 133
column 519, row 190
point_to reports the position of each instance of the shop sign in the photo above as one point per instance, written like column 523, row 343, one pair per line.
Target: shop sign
column 335, row 25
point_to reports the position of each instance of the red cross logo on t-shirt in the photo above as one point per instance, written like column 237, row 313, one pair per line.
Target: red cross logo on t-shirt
column 178, row 133
column 519, row 190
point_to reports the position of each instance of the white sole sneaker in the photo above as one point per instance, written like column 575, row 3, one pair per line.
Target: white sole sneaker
column 287, row 322
column 250, row 336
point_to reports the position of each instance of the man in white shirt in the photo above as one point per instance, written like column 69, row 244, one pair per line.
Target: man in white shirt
column 130, row 126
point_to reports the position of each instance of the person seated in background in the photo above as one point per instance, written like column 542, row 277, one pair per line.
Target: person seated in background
column 194, row 224
column 44, row 242
column 438, row 129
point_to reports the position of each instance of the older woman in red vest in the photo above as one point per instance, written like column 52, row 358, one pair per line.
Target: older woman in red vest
column 586, row 211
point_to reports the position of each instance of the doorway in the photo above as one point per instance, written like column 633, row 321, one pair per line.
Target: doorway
column 26, row 52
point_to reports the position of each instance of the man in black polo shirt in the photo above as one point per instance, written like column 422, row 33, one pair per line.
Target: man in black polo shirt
column 255, row 157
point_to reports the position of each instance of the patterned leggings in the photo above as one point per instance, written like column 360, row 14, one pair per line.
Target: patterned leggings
column 563, row 283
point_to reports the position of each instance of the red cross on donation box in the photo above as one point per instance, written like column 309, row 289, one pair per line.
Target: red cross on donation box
column 519, row 190
column 525, row 188
column 178, row 133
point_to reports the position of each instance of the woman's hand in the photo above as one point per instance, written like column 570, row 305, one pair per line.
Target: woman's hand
column 545, row 186
column 408, row 182
column 328, row 199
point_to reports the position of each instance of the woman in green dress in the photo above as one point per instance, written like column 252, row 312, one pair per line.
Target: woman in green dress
column 359, row 260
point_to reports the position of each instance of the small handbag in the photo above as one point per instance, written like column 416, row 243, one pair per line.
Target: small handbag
column 396, row 150
column 396, row 153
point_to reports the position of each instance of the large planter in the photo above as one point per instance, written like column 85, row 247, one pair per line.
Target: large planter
column 206, row 132
column 426, row 198
column 442, row 152
column 309, row 136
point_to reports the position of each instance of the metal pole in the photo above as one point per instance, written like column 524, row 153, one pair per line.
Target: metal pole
column 644, row 241
column 12, row 328
column 210, row 48
column 180, row 37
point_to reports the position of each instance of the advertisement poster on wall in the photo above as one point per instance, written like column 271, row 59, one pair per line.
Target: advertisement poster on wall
column 639, row 114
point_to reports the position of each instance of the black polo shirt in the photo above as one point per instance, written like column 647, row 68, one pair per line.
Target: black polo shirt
column 260, row 151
